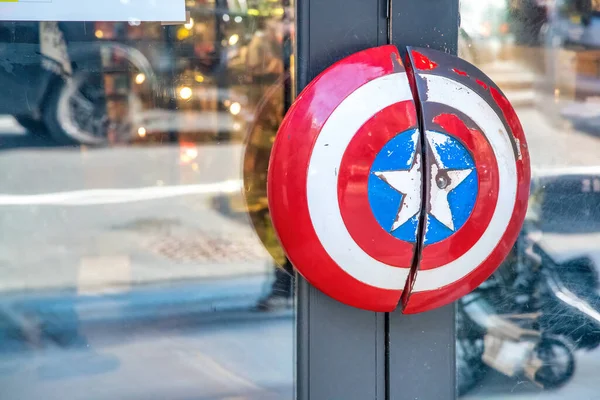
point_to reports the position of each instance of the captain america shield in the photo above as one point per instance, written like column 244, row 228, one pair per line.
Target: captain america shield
column 380, row 206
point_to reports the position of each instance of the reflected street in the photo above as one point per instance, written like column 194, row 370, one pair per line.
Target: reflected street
column 131, row 284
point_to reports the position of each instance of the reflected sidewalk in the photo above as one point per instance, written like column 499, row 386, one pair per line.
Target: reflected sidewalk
column 178, row 303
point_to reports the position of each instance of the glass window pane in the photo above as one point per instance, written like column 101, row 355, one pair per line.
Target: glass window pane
column 138, row 260
column 532, row 330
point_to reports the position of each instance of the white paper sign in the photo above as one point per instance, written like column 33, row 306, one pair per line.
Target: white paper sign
column 92, row 10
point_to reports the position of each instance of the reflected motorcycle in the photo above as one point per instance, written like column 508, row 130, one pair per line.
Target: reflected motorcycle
column 533, row 311
column 510, row 344
column 565, row 294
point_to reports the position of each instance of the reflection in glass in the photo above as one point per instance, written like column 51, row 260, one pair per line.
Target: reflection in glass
column 133, row 263
column 533, row 329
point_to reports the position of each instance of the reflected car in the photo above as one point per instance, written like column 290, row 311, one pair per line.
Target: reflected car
column 561, row 196
column 53, row 73
column 99, row 83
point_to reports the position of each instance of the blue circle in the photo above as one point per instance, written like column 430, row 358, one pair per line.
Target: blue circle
column 398, row 155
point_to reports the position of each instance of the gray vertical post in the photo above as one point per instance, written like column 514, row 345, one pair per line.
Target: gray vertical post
column 341, row 350
column 421, row 347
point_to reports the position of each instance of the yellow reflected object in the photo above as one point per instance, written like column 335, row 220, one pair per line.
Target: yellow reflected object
column 183, row 33
column 269, row 110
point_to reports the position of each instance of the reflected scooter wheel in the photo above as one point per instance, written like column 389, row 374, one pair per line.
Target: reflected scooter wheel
column 558, row 362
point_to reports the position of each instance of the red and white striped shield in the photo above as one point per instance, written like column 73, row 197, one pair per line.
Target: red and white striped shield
column 398, row 183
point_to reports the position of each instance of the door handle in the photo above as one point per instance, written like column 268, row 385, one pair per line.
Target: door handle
column 399, row 182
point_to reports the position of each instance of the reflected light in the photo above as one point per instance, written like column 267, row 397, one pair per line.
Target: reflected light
column 485, row 29
column 233, row 39
column 556, row 94
column 190, row 24
column 191, row 152
column 188, row 153
column 199, row 78
column 99, row 34
column 185, row 93
column 140, row 78
column 226, row 17
column 238, row 19
column 237, row 126
column 235, row 108
column 141, row 132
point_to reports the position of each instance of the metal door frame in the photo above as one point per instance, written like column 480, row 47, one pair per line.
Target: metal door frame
column 345, row 353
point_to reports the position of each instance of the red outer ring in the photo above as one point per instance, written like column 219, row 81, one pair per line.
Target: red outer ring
column 461, row 241
column 353, row 181
column 288, row 175
column 424, row 301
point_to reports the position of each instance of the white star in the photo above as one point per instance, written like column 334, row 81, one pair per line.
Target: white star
column 442, row 182
column 408, row 183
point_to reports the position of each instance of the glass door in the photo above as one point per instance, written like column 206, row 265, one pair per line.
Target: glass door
column 138, row 260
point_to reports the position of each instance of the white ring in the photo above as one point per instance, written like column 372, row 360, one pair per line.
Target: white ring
column 322, row 181
column 446, row 91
